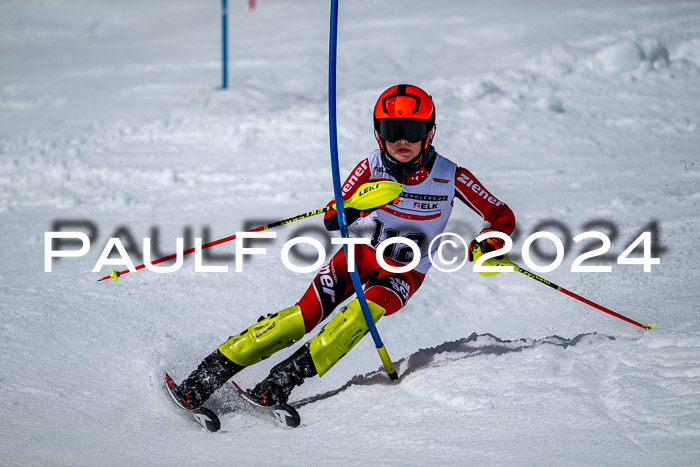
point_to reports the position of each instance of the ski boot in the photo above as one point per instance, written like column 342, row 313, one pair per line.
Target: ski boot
column 284, row 377
column 209, row 376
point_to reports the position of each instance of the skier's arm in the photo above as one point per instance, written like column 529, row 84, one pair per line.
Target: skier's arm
column 357, row 177
column 472, row 193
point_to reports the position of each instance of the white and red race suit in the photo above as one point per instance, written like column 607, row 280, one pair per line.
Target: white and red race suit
column 421, row 215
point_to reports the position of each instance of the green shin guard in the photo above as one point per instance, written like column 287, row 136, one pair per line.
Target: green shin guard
column 264, row 338
column 341, row 334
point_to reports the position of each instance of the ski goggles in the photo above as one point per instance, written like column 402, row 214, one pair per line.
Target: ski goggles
column 410, row 129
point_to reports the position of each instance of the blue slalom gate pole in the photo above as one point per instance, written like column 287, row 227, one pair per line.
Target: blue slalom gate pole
column 224, row 44
column 333, row 130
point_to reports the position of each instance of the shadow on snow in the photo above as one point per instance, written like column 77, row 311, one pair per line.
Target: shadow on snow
column 472, row 346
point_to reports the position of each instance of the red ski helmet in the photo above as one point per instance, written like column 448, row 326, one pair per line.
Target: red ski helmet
column 405, row 111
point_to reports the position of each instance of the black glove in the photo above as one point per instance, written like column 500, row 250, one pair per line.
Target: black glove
column 351, row 215
column 486, row 245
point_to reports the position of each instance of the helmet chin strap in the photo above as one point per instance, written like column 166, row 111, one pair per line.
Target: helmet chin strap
column 403, row 169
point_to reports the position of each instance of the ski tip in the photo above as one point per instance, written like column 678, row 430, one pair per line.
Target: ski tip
column 238, row 388
column 207, row 419
column 651, row 326
column 202, row 415
column 283, row 413
column 287, row 415
column 168, row 380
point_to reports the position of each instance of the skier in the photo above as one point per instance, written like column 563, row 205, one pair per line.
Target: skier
column 404, row 126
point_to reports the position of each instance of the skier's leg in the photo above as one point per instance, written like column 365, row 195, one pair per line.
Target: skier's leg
column 209, row 376
column 318, row 355
column 264, row 338
column 391, row 290
column 331, row 287
column 386, row 293
column 341, row 334
column 269, row 335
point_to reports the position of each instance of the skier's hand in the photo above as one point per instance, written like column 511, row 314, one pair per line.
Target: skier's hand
column 476, row 249
column 331, row 222
column 370, row 211
column 351, row 215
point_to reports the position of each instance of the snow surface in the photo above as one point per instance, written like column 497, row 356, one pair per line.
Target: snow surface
column 579, row 112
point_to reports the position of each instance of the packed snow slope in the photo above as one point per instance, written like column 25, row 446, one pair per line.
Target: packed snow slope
column 581, row 115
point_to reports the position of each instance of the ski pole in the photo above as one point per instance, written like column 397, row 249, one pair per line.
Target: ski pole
column 506, row 262
column 368, row 196
column 333, row 133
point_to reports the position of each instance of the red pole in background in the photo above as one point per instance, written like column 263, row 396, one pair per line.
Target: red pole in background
column 251, row 5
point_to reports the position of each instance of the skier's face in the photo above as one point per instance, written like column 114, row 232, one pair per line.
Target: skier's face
column 403, row 151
